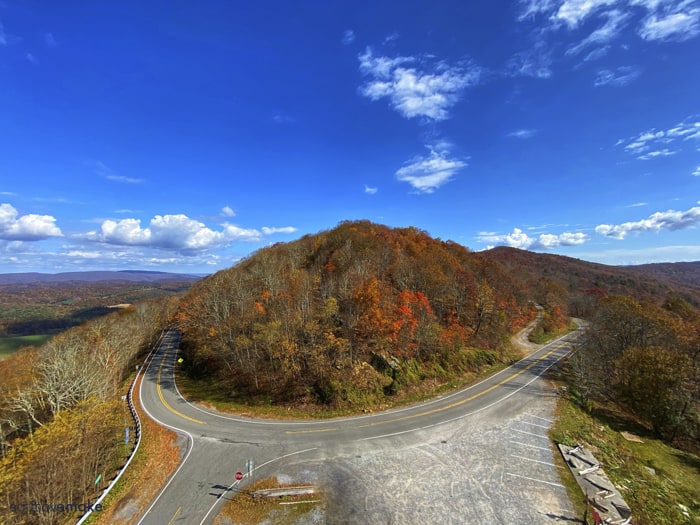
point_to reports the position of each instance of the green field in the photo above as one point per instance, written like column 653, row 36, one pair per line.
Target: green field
column 10, row 344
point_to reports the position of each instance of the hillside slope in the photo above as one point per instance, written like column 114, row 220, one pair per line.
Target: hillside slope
column 349, row 315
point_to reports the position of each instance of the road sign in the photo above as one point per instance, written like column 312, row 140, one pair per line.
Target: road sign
column 239, row 476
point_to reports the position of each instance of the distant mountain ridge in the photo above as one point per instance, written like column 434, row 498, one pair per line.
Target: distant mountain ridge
column 132, row 276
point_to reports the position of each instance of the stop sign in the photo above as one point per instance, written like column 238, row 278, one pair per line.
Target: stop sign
column 239, row 476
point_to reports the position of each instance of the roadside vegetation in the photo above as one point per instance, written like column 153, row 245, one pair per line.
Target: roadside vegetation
column 349, row 319
column 659, row 482
column 243, row 509
column 62, row 422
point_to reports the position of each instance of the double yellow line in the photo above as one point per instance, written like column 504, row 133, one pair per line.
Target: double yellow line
column 165, row 403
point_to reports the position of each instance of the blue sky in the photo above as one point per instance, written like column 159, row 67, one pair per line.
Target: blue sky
column 182, row 136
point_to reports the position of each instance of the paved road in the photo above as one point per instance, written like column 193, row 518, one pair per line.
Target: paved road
column 219, row 444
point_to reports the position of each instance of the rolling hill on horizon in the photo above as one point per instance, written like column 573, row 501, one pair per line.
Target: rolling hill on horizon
column 131, row 276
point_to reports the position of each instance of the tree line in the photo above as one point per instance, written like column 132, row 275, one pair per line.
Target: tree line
column 348, row 316
column 62, row 422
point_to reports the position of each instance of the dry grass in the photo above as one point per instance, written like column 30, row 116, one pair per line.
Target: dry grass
column 243, row 509
column 156, row 460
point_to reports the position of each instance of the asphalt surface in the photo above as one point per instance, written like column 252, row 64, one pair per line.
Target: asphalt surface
column 480, row 452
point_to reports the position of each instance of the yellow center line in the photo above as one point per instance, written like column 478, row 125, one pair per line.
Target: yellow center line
column 311, row 431
column 165, row 403
column 462, row 401
column 175, row 516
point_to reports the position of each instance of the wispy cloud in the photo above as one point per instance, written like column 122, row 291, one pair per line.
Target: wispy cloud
column 428, row 90
column 697, row 171
column 619, row 77
column 657, row 142
column 427, row 173
column 545, row 241
column 227, row 211
column 106, row 172
column 348, row 37
column 31, row 58
column 49, row 40
column 3, row 35
column 656, row 154
column 653, row 20
column 522, row 133
column 535, row 62
column 679, row 26
column 663, row 220
column 371, row 191
column 637, row 205
column 283, row 118
column 285, row 229
column 30, row 227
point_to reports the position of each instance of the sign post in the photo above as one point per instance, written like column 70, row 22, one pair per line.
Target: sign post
column 239, row 475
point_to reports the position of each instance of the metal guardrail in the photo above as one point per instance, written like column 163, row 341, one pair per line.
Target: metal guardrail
column 137, row 433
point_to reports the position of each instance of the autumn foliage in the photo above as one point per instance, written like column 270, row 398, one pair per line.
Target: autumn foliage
column 360, row 307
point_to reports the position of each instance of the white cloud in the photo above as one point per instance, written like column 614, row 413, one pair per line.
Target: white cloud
column 170, row 232
column 655, row 154
column 545, row 241
column 697, row 172
column 677, row 26
column 105, row 171
column 348, row 37
column 522, row 133
column 49, row 40
column 30, row 227
column 428, row 173
column 414, row 92
column 227, row 211
column 286, row 229
column 370, row 190
column 535, row 62
column 3, row 35
column 655, row 143
column 637, row 205
column 573, row 12
column 666, row 220
column 621, row 76
column 615, row 22
column 31, row 58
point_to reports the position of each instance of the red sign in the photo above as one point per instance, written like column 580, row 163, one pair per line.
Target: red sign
column 239, row 476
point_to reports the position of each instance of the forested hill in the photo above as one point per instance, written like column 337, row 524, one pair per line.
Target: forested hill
column 349, row 315
column 582, row 281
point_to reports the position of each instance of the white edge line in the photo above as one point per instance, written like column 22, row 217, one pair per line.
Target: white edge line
column 235, row 483
column 470, row 413
column 392, row 411
column 179, row 430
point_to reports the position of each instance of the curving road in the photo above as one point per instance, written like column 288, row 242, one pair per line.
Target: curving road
column 219, row 445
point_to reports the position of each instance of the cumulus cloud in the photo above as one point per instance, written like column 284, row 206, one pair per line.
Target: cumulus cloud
column 619, row 77
column 170, row 232
column 545, row 241
column 662, row 220
column 427, row 173
column 177, row 233
column 426, row 90
column 30, row 227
